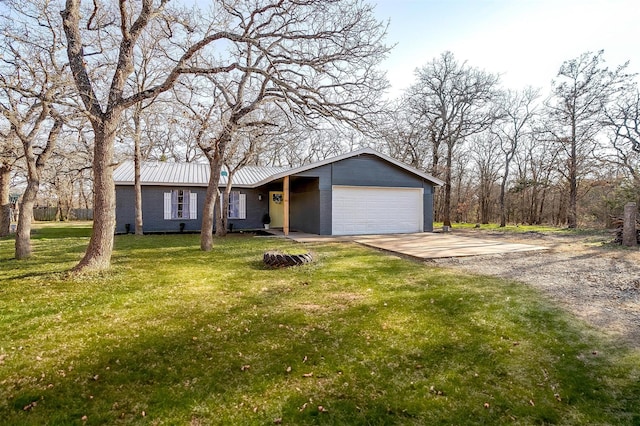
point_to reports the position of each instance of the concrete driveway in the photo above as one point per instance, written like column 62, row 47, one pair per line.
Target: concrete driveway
column 427, row 245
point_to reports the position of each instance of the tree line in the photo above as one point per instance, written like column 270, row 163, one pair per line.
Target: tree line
column 86, row 85
column 516, row 156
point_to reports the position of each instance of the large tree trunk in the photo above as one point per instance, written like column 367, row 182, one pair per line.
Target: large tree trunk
column 23, row 233
column 5, row 205
column 98, row 254
column 206, row 234
column 216, row 160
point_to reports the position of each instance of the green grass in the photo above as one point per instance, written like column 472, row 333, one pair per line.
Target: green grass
column 172, row 335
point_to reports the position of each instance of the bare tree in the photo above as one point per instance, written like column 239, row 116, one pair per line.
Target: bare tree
column 8, row 158
column 273, row 30
column 405, row 137
column 35, row 164
column 486, row 153
column 581, row 91
column 314, row 60
column 455, row 100
column 32, row 81
column 517, row 110
column 622, row 119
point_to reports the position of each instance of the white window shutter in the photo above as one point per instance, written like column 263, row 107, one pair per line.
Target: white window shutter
column 242, row 213
column 167, row 206
column 193, row 205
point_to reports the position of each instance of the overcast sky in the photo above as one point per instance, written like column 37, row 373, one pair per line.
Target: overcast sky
column 524, row 40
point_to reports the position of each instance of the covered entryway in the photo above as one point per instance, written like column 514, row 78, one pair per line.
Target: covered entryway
column 358, row 210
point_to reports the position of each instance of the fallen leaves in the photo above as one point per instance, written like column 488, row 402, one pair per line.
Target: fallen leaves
column 435, row 391
column 30, row 406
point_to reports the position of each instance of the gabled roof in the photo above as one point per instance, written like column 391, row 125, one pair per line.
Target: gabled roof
column 197, row 174
column 362, row 151
column 189, row 174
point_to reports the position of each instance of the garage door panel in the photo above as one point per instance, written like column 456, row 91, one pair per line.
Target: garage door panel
column 375, row 210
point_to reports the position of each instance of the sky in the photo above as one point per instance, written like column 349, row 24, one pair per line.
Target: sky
column 526, row 41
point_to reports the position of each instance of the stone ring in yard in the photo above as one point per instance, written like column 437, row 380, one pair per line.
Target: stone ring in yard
column 277, row 259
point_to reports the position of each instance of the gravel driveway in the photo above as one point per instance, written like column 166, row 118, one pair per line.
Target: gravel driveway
column 598, row 282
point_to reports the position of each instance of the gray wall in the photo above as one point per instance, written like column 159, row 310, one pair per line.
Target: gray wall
column 305, row 205
column 311, row 200
column 427, row 207
column 153, row 209
column 368, row 170
column 364, row 170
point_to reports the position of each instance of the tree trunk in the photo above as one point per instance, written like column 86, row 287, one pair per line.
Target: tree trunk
column 23, row 233
column 447, row 187
column 206, row 234
column 222, row 217
column 629, row 234
column 503, row 189
column 572, row 214
column 5, row 204
column 216, row 160
column 98, row 254
column 137, row 160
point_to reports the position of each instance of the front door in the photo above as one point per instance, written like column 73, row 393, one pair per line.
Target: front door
column 276, row 208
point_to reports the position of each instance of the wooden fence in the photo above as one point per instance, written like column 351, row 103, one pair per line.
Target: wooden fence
column 49, row 214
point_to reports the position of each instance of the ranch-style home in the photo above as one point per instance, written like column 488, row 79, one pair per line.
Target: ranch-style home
column 362, row 192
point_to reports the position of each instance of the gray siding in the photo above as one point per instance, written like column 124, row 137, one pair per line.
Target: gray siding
column 153, row 210
column 311, row 197
column 427, row 207
column 255, row 209
column 305, row 205
column 323, row 174
column 368, row 170
column 364, row 170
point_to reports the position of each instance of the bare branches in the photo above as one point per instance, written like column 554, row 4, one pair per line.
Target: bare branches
column 456, row 102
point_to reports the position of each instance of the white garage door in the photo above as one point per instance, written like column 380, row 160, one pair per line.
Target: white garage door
column 358, row 210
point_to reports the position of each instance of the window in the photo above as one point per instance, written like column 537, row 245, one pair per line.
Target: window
column 180, row 204
column 237, row 205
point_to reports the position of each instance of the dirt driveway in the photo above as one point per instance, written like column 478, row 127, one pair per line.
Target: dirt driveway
column 598, row 282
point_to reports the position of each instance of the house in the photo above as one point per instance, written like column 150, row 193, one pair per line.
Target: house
column 362, row 192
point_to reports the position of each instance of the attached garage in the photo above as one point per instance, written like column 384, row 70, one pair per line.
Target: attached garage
column 357, row 193
column 358, row 210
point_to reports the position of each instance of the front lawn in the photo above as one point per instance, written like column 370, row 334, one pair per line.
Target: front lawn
column 172, row 335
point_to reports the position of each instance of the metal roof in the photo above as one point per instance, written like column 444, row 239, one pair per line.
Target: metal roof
column 197, row 174
column 189, row 174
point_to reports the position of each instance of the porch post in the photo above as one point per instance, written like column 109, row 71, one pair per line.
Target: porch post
column 285, row 219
